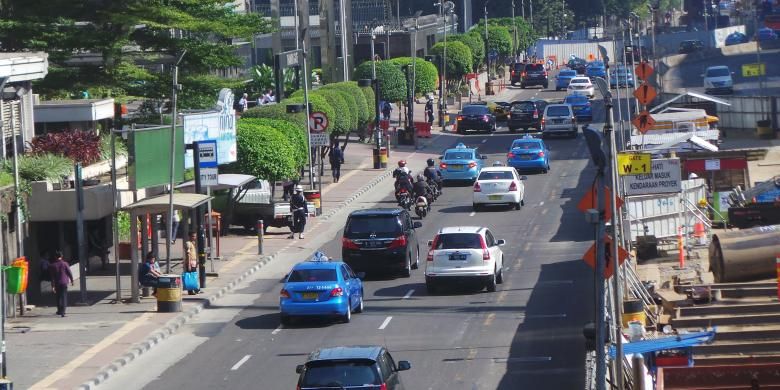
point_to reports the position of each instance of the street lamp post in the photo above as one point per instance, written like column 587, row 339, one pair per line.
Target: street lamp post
column 514, row 33
column 487, row 42
column 174, row 92
column 445, row 8
column 375, row 84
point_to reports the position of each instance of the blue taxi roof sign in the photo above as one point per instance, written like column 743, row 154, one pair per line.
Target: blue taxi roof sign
column 460, row 146
column 319, row 257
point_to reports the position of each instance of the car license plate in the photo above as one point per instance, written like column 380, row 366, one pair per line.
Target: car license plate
column 494, row 197
column 372, row 244
column 557, row 120
column 456, row 166
column 458, row 256
column 310, row 295
column 525, row 156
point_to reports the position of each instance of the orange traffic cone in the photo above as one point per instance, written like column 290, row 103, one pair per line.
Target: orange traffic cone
column 699, row 233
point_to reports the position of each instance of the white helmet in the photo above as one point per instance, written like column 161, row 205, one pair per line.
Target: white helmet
column 298, row 188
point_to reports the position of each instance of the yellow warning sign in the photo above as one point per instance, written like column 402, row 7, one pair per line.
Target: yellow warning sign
column 634, row 163
column 753, row 70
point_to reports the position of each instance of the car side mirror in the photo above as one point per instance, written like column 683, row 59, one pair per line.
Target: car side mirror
column 430, row 243
column 500, row 242
column 483, row 157
column 361, row 275
column 403, row 365
column 299, row 369
column 523, row 177
column 416, row 225
column 733, row 73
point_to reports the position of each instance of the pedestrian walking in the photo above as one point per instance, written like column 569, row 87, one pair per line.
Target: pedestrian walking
column 190, row 261
column 243, row 103
column 175, row 226
column 336, row 157
column 429, row 111
column 300, row 210
column 60, row 274
column 387, row 110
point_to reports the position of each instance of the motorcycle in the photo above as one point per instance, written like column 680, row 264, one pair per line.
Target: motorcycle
column 404, row 199
column 435, row 187
column 421, row 207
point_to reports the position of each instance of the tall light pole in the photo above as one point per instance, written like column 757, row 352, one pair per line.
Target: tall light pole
column 514, row 33
column 414, row 74
column 169, row 228
column 445, row 8
column 344, row 50
column 375, row 83
column 487, row 42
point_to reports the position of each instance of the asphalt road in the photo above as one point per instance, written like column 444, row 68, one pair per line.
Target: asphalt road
column 528, row 334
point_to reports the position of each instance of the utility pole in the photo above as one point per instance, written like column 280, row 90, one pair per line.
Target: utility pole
column 172, row 172
column 514, row 33
column 487, row 42
column 344, row 50
column 414, row 76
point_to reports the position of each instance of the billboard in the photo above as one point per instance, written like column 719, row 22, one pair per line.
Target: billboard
column 664, row 178
column 218, row 124
column 149, row 154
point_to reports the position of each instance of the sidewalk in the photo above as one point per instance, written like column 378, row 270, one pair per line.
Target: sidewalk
column 45, row 351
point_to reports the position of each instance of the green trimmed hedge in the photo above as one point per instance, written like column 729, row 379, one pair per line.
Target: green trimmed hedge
column 352, row 106
column 426, row 74
column 392, row 83
column 475, row 43
column 341, row 121
column 264, row 152
column 458, row 58
column 275, row 111
column 296, row 134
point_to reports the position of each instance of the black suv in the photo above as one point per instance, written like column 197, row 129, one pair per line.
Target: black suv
column 690, row 46
column 381, row 239
column 516, row 70
column 525, row 114
column 476, row 117
column 533, row 74
column 351, row 367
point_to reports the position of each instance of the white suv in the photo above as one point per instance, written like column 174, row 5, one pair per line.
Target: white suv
column 559, row 119
column 717, row 79
column 464, row 253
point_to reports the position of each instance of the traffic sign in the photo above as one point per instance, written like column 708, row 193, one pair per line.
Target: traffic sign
column 590, row 257
column 589, row 202
column 645, row 94
column 634, row 163
column 643, row 71
column 643, row 122
column 318, row 122
column 207, row 162
column 319, row 139
column 753, row 70
column 493, row 54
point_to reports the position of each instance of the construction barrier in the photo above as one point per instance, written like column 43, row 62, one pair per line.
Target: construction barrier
column 423, row 129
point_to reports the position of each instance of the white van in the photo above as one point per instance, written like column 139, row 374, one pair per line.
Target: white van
column 717, row 80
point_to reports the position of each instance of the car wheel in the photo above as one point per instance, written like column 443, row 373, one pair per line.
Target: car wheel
column 500, row 278
column 430, row 287
column 511, row 130
column 544, row 170
column 516, row 206
column 408, row 269
column 475, row 207
column 416, row 264
column 284, row 319
column 347, row 317
column 522, row 202
column 491, row 284
column 359, row 309
column 522, row 86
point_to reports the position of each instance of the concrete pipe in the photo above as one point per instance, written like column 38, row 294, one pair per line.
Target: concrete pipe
column 745, row 255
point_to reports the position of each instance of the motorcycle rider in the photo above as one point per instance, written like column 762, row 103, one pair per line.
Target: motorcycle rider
column 300, row 210
column 403, row 177
column 421, row 188
column 433, row 175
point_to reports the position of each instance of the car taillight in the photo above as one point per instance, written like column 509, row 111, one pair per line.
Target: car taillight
column 346, row 243
column 485, row 118
column 477, row 188
column 574, row 119
column 472, row 164
column 523, row 74
column 485, row 251
column 513, row 187
column 545, row 73
column 541, row 154
column 543, row 121
column 460, row 117
column 284, row 293
column 383, row 387
column 399, row 242
column 536, row 114
column 510, row 155
column 513, row 73
column 432, row 248
column 337, row 292
column 443, row 165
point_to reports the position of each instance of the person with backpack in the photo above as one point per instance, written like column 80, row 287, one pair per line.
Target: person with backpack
column 336, row 158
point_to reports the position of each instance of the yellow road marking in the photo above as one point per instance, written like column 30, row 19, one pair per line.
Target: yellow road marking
column 67, row 369
column 489, row 319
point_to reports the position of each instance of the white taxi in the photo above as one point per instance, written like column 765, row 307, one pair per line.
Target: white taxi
column 499, row 185
column 464, row 253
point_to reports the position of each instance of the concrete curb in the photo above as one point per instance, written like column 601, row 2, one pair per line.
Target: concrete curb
column 172, row 326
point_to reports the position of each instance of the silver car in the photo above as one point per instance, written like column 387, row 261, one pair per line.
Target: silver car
column 559, row 119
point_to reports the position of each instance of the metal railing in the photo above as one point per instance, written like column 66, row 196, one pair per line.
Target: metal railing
column 638, row 290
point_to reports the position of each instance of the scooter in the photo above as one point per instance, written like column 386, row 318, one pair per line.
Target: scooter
column 421, row 207
column 404, row 199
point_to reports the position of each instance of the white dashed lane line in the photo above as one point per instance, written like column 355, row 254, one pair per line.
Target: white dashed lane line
column 277, row 330
column 240, row 362
column 385, row 322
column 408, row 294
column 473, row 213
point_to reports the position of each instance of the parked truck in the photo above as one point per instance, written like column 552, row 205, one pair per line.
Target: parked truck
column 244, row 206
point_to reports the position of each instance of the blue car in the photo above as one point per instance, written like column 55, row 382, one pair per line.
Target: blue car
column 596, row 69
column 581, row 106
column 563, row 78
column 736, row 38
column 321, row 287
column 766, row 34
column 528, row 153
column 460, row 163
column 622, row 77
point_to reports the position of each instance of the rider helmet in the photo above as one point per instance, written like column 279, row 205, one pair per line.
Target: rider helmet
column 420, row 177
column 402, row 163
column 430, row 162
column 298, row 188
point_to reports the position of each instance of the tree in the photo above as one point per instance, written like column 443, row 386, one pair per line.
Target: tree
column 66, row 29
column 264, row 152
column 475, row 43
column 554, row 19
column 296, row 135
column 318, row 103
column 426, row 74
column 277, row 112
column 392, row 82
column 351, row 105
column 458, row 61
column 525, row 34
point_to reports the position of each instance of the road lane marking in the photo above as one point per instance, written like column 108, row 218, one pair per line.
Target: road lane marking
column 473, row 213
column 526, row 246
column 541, row 203
column 544, row 211
column 277, row 330
column 472, row 354
column 501, row 296
column 408, row 294
column 240, row 362
column 484, row 140
column 561, row 315
column 68, row 369
column 489, row 319
column 385, row 322
column 526, row 359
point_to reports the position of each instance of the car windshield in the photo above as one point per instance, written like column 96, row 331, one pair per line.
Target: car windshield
column 459, row 156
column 718, row 72
column 340, row 374
column 576, row 100
column 558, row 111
column 475, row 110
column 384, row 225
column 312, row 275
column 580, row 81
column 523, row 106
column 534, row 68
column 495, row 175
column 526, row 145
column 567, row 73
column 458, row 241
column 596, row 65
column 518, row 66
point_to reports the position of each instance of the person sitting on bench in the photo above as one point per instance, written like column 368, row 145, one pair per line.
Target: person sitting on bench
column 149, row 272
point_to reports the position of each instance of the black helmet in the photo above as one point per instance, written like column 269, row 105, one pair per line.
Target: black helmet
column 431, row 162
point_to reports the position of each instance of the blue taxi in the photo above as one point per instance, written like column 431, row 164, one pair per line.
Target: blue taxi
column 528, row 153
column 460, row 163
column 580, row 104
column 321, row 287
column 563, row 78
